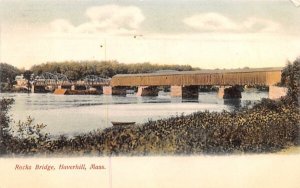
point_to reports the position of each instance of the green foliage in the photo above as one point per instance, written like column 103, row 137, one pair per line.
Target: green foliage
column 5, row 87
column 5, row 105
column 8, row 72
column 267, row 127
column 26, row 130
column 28, row 138
column 7, row 76
column 77, row 70
column 24, row 137
column 290, row 78
column 27, row 74
column 5, row 119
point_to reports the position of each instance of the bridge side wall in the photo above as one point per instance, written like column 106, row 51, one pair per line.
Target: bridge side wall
column 242, row 78
column 273, row 78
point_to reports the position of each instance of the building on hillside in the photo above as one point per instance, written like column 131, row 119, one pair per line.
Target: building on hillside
column 21, row 81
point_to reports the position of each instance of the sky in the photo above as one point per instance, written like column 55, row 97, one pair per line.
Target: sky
column 201, row 33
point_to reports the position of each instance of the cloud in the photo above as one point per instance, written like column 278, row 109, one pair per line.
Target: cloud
column 217, row 22
column 210, row 22
column 112, row 19
column 62, row 26
column 259, row 24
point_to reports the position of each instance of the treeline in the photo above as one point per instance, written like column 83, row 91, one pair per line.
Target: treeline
column 7, row 76
column 75, row 70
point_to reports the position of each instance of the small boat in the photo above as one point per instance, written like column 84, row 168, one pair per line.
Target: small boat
column 118, row 123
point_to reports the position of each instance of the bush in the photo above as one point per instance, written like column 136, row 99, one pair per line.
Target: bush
column 24, row 137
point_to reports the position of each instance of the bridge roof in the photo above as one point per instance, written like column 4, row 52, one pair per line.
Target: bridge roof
column 203, row 71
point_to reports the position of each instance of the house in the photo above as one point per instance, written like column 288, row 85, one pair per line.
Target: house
column 21, row 81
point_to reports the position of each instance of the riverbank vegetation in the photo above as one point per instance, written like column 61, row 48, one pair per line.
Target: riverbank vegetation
column 269, row 126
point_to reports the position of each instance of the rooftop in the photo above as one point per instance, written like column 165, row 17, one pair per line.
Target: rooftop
column 204, row 71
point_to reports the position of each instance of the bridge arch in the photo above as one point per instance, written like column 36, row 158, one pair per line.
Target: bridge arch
column 52, row 78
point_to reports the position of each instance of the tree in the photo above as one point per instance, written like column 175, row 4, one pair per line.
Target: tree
column 291, row 79
column 28, row 76
column 5, row 105
column 72, row 75
column 7, row 76
column 8, row 72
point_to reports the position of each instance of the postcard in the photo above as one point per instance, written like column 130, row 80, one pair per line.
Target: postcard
column 149, row 93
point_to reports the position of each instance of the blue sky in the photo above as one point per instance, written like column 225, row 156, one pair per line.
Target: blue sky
column 207, row 34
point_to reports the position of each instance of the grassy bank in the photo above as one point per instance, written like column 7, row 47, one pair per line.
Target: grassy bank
column 267, row 127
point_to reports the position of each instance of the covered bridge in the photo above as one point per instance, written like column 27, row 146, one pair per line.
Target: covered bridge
column 186, row 83
column 258, row 76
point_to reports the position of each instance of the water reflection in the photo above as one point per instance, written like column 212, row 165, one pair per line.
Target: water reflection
column 75, row 114
column 234, row 104
column 190, row 100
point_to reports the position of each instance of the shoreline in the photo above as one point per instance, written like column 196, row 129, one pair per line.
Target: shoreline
column 260, row 129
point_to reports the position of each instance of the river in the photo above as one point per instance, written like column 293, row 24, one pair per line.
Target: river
column 74, row 114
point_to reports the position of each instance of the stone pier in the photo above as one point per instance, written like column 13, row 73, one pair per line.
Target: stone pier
column 32, row 88
column 186, row 92
column 176, row 91
column 276, row 92
column 147, row 91
column 229, row 92
column 109, row 90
